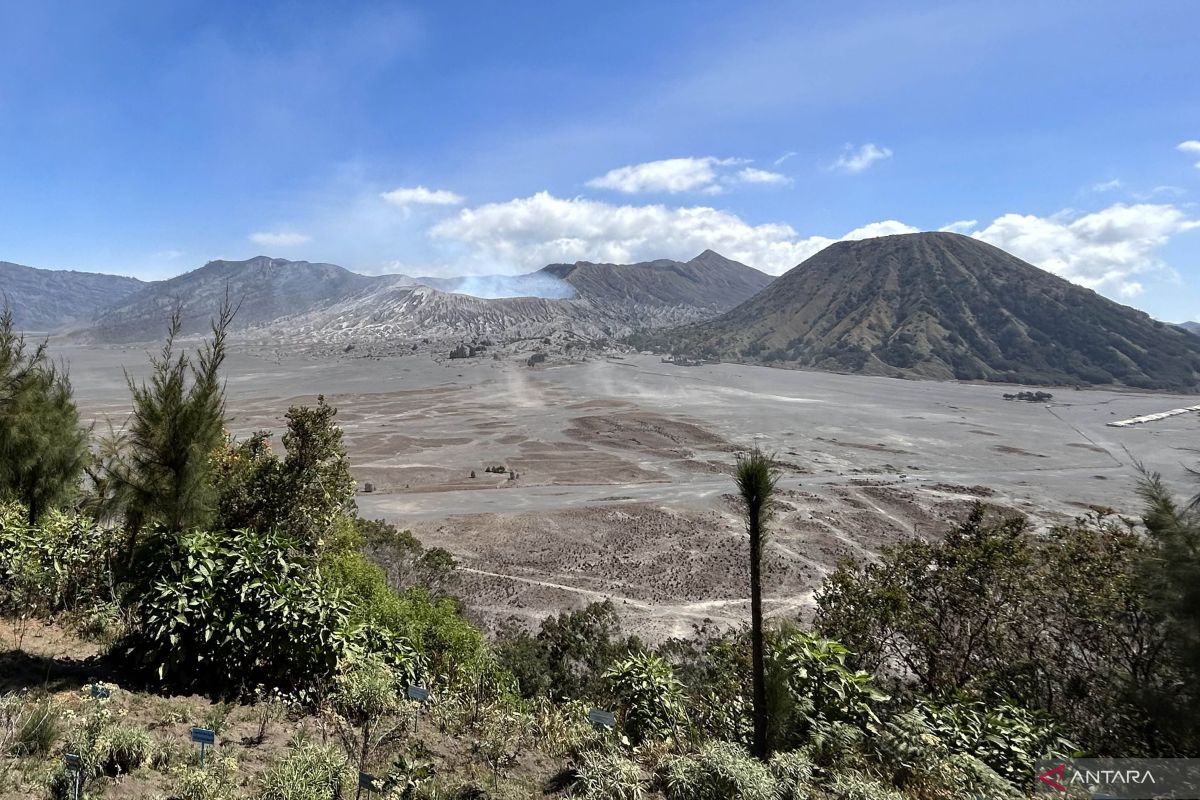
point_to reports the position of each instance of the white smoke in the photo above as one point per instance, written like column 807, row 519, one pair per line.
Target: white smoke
column 492, row 287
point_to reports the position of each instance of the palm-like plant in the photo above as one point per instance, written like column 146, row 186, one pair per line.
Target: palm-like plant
column 756, row 478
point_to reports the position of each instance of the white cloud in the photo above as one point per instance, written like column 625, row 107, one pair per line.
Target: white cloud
column 706, row 175
column 856, row 160
column 785, row 157
column 419, row 195
column 671, row 175
column 753, row 175
column 1104, row 250
column 1107, row 186
column 279, row 238
column 961, row 226
column 1192, row 147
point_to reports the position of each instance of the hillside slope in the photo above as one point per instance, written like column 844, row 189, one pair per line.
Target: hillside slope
column 708, row 281
column 265, row 289
column 942, row 305
column 46, row 300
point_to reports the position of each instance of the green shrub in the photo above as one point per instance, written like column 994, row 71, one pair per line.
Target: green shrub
column 226, row 613
column 810, row 686
column 58, row 564
column 847, row 786
column 216, row 780
column 434, row 626
column 607, row 775
column 129, row 747
column 793, row 773
column 40, row 727
column 308, row 772
column 720, row 771
column 967, row 776
column 648, row 696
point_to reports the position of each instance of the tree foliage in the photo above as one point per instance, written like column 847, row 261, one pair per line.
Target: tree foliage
column 1060, row 623
column 164, row 475
column 43, row 446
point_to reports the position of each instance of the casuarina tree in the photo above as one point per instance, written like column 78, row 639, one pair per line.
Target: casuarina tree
column 164, row 475
column 43, row 447
column 756, row 479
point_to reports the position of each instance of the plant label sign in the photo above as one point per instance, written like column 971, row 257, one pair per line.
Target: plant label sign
column 204, row 736
column 74, row 764
column 602, row 718
column 418, row 693
column 366, row 781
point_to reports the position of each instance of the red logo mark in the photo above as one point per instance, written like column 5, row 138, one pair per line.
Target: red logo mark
column 1049, row 777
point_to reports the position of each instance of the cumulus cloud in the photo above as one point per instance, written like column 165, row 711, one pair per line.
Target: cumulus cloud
column 1102, row 250
column 706, row 175
column 854, row 160
column 1191, row 147
column 1105, row 250
column 279, row 238
column 530, row 232
column 421, row 196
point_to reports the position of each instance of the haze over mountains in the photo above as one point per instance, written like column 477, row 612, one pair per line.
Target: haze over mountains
column 945, row 306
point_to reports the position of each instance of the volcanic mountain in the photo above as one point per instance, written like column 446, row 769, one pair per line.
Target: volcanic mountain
column 280, row 300
column 45, row 300
column 583, row 300
column 264, row 289
column 943, row 305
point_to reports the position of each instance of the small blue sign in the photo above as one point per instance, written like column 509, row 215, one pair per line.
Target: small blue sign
column 418, row 693
column 604, row 719
column 73, row 761
column 204, row 736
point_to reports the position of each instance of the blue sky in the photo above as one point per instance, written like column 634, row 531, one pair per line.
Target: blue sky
column 437, row 138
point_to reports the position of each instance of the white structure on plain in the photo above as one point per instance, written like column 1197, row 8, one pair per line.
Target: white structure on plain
column 1175, row 412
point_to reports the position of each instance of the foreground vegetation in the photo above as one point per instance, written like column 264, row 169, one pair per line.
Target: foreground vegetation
column 225, row 585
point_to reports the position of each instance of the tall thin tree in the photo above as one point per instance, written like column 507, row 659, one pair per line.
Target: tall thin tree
column 43, row 446
column 164, row 474
column 756, row 479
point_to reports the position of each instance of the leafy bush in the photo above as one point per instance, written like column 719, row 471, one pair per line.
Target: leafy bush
column 720, row 771
column 1004, row 736
column 810, row 686
column 606, row 775
column 568, row 656
column 216, row 780
column 793, row 773
column 434, row 626
column 58, row 564
column 230, row 612
column 648, row 696
column 968, row 616
column 308, row 772
column 848, row 786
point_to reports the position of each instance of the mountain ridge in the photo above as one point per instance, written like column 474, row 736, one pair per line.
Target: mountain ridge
column 45, row 300
column 945, row 306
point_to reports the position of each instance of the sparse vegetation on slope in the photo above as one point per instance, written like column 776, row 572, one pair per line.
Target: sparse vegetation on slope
column 942, row 305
